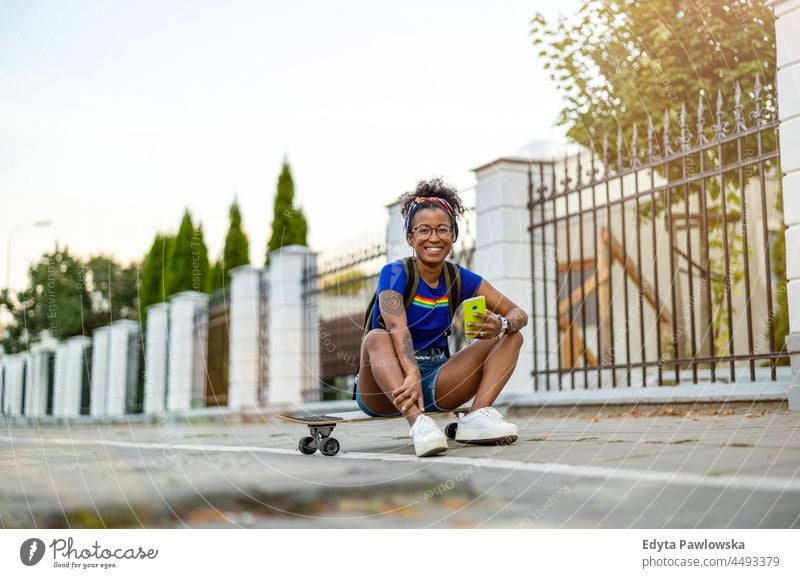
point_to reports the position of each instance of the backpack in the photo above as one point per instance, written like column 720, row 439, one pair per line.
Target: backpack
column 452, row 282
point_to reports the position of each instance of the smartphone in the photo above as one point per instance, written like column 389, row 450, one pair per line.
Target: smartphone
column 470, row 308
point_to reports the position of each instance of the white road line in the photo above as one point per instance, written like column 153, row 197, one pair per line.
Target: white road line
column 751, row 483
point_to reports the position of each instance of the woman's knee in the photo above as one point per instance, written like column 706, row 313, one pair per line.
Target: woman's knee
column 515, row 339
column 376, row 338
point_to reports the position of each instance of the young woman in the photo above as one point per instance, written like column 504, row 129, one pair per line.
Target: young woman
column 404, row 368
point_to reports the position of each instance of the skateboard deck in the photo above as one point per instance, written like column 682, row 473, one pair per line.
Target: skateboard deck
column 321, row 427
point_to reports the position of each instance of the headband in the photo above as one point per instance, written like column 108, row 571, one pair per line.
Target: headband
column 419, row 201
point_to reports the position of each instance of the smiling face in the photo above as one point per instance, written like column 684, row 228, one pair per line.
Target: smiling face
column 430, row 249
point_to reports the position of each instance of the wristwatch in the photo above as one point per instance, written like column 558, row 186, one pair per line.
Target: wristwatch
column 504, row 325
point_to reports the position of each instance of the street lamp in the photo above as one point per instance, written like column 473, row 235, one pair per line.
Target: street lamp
column 8, row 247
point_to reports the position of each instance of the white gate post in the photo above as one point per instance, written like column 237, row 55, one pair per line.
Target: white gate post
column 99, row 383
column 293, row 365
column 123, row 367
column 15, row 376
column 503, row 258
column 38, row 380
column 396, row 244
column 70, row 374
column 187, row 351
column 3, row 365
column 156, row 358
column 787, row 32
column 244, row 335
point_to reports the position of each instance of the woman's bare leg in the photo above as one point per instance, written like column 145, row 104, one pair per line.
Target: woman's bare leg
column 380, row 374
column 481, row 370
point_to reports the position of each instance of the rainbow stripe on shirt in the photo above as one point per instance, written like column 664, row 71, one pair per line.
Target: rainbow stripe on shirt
column 430, row 303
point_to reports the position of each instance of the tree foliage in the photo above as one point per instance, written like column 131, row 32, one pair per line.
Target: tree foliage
column 623, row 62
column 289, row 226
column 153, row 283
column 236, row 251
column 68, row 296
column 187, row 263
column 114, row 289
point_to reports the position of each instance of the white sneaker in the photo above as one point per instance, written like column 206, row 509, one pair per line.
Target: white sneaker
column 485, row 426
column 428, row 438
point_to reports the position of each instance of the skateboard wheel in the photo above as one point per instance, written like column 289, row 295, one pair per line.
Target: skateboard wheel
column 450, row 430
column 330, row 447
column 307, row 445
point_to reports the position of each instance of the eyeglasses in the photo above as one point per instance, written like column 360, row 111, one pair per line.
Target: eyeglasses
column 442, row 231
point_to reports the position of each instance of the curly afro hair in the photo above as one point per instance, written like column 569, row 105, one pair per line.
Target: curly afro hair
column 433, row 187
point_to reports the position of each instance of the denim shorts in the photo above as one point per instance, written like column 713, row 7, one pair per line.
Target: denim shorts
column 430, row 362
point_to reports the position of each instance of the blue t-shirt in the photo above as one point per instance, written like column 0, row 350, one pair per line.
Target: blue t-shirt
column 428, row 315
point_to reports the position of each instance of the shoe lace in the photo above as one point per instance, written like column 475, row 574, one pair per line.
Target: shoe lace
column 493, row 414
column 423, row 425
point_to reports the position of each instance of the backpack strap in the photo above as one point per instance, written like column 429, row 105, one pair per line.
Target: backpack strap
column 412, row 281
column 452, row 283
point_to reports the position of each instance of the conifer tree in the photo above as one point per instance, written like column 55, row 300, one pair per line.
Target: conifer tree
column 289, row 226
column 153, row 288
column 187, row 264
column 237, row 247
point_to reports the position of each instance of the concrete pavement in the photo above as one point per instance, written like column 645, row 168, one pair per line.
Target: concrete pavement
column 674, row 466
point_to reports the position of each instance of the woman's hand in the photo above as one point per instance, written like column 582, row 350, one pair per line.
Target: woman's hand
column 489, row 327
column 409, row 394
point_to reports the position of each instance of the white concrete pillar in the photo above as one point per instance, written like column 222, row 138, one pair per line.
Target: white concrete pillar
column 186, row 382
column 72, row 358
column 14, row 384
column 156, row 359
column 312, row 355
column 503, row 257
column 3, row 372
column 396, row 244
column 123, row 367
column 99, row 383
column 60, row 377
column 787, row 32
column 244, row 334
column 38, row 380
column 3, row 359
column 291, row 371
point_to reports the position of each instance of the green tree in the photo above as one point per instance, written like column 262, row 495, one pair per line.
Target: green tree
column 55, row 301
column 289, row 226
column 187, row 264
column 235, row 253
column 113, row 288
column 216, row 278
column 623, row 62
column 153, row 283
column 67, row 296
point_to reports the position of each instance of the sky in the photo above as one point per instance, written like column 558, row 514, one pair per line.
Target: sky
column 117, row 115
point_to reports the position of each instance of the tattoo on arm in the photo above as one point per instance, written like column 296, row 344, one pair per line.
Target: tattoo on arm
column 517, row 320
column 390, row 302
column 408, row 348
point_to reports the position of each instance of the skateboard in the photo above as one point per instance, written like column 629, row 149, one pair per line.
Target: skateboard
column 321, row 427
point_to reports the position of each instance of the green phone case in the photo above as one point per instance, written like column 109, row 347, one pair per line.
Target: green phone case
column 470, row 307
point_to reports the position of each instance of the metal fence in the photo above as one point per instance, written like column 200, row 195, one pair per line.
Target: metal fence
column 217, row 331
column 652, row 262
column 337, row 292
